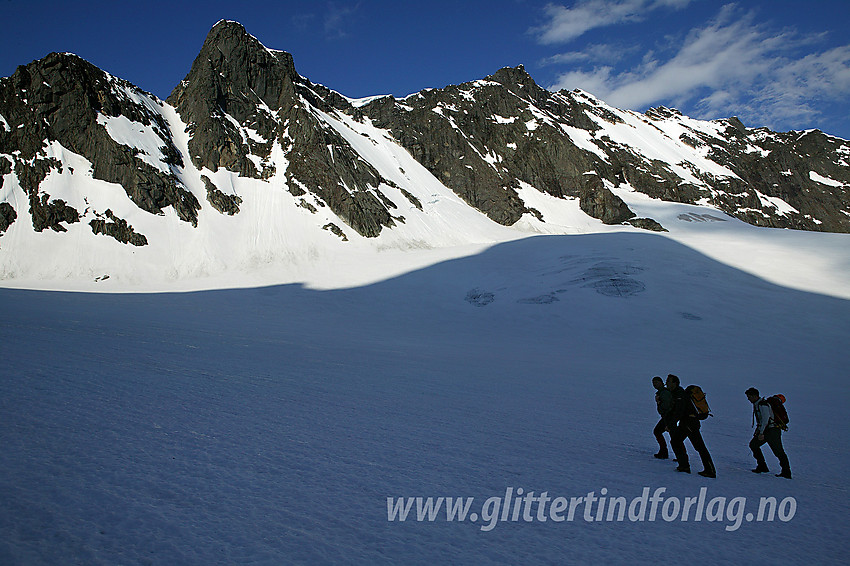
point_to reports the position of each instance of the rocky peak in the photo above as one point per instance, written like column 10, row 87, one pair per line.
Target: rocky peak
column 517, row 80
column 512, row 76
column 240, row 99
column 232, row 56
column 736, row 123
column 65, row 100
column 234, row 81
column 42, row 94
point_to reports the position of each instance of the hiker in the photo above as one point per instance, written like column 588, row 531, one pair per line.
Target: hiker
column 683, row 418
column 664, row 403
column 767, row 431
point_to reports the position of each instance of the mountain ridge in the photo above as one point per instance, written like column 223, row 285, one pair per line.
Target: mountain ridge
column 243, row 122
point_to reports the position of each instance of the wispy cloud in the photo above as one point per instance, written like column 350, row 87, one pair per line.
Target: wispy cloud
column 302, row 21
column 566, row 24
column 732, row 65
column 336, row 19
column 597, row 53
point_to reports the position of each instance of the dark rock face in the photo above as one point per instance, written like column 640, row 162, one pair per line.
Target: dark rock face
column 240, row 98
column 50, row 214
column 234, row 84
column 336, row 230
column 324, row 164
column 5, row 168
column 476, row 139
column 7, row 216
column 780, row 165
column 766, row 166
column 599, row 202
column 482, row 138
column 224, row 203
column 117, row 228
column 59, row 99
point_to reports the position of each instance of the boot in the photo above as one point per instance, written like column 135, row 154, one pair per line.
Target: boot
column 708, row 470
column 686, row 469
column 760, row 469
column 784, row 474
column 662, row 455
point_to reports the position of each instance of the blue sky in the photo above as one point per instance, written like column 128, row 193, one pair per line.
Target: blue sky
column 781, row 64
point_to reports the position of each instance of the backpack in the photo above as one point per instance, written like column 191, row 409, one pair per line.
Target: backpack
column 780, row 415
column 697, row 396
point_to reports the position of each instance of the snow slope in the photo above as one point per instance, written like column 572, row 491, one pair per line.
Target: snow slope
column 273, row 240
column 269, row 425
column 278, row 238
column 269, row 241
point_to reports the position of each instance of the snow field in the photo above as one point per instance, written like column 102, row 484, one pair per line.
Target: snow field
column 269, row 425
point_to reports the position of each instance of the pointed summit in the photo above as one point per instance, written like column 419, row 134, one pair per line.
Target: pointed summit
column 512, row 75
column 232, row 55
column 232, row 76
column 517, row 80
column 236, row 44
column 241, row 100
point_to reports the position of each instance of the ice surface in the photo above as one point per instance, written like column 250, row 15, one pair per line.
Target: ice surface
column 269, row 425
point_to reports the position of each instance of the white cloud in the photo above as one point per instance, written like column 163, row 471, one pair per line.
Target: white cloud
column 731, row 66
column 566, row 24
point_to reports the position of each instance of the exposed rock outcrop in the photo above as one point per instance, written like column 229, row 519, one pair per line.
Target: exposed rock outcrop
column 7, row 216
column 117, row 228
column 599, row 202
column 66, row 100
column 224, row 203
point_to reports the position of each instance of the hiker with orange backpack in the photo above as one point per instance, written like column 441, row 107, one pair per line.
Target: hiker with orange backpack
column 685, row 418
column 769, row 424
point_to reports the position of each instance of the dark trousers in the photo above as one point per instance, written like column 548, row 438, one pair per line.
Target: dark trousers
column 689, row 428
column 659, row 431
column 773, row 438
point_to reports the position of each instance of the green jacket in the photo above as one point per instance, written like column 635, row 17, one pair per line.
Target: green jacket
column 664, row 401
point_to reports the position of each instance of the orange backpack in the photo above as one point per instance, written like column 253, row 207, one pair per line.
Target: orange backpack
column 700, row 403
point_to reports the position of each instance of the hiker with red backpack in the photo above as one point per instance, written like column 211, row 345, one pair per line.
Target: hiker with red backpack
column 685, row 418
column 769, row 419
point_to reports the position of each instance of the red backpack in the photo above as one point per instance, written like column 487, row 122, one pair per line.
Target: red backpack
column 780, row 415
